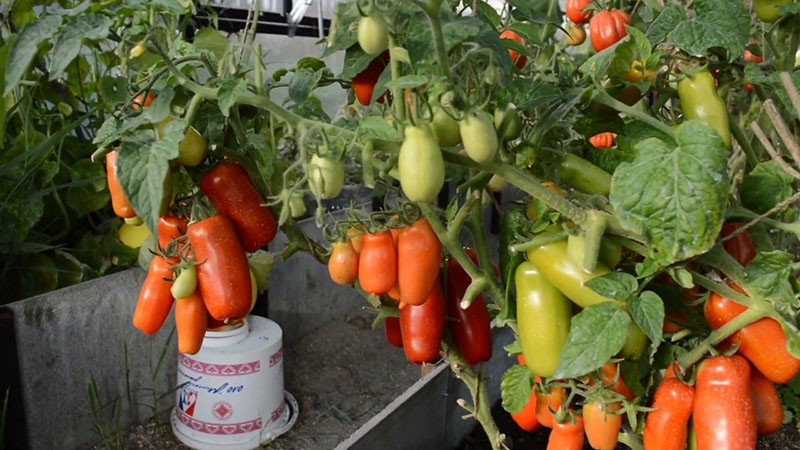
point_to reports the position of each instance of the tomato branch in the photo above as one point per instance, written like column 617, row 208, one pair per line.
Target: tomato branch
column 604, row 98
column 431, row 9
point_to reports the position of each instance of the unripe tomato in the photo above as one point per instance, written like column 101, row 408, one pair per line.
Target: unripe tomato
column 638, row 72
column 192, row 149
column 767, row 10
column 445, row 128
column 507, row 122
column 373, row 35
column 325, row 177
column 576, row 35
column 137, row 51
column 343, row 263
column 185, row 283
column 480, row 138
column 133, row 235
column 575, row 13
column 297, row 207
column 516, row 58
column 496, row 184
column 421, row 165
column 607, row 28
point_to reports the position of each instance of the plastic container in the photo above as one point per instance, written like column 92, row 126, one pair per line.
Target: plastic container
column 230, row 393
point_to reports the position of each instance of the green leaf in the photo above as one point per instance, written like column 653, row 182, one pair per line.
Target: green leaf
column 516, row 388
column 488, row 13
column 311, row 63
column 408, row 81
column 769, row 275
column 4, row 52
column 229, row 91
column 596, row 334
column 647, row 311
column 460, row 30
column 377, row 128
column 211, row 40
column 261, row 263
column 302, row 83
column 112, row 129
column 765, row 186
column 91, row 195
column 616, row 285
column 259, row 148
column 667, row 21
column 114, row 89
column 716, row 24
column 674, row 195
column 634, row 47
column 341, row 35
column 25, row 47
column 68, row 43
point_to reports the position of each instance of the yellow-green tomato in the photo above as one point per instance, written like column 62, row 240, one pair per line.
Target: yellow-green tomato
column 767, row 10
column 297, row 207
column 636, row 343
column 507, row 122
column 543, row 319
column 479, row 136
column 373, row 35
column 496, row 184
column 193, row 149
column 420, row 165
column 325, row 177
column 445, row 129
column 185, row 283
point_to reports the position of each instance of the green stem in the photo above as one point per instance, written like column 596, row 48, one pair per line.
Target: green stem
column 397, row 93
column 738, row 134
column 739, row 212
column 552, row 6
column 632, row 440
column 298, row 241
column 604, row 98
column 191, row 110
column 431, row 9
column 455, row 225
column 475, row 225
column 538, row 241
column 742, row 320
column 593, row 238
column 367, row 164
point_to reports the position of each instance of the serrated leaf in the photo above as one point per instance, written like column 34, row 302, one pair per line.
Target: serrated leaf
column 596, row 334
column 302, row 83
column 769, row 273
column 87, row 191
column 516, row 388
column 342, row 35
column 647, row 311
column 674, row 195
column 211, row 40
column 114, row 89
column 460, row 30
column 488, row 13
column 667, row 21
column 377, row 128
column 229, row 91
column 68, row 43
column 408, row 81
column 716, row 24
column 616, row 285
column 765, row 186
column 25, row 47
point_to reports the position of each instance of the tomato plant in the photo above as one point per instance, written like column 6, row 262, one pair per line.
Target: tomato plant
column 606, row 28
column 516, row 58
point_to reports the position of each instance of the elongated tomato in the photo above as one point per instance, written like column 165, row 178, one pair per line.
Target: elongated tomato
column 665, row 427
column 190, row 323
column 419, row 255
column 223, row 276
column 343, row 263
column 422, row 327
column 170, row 228
column 470, row 327
column 766, row 402
column 391, row 329
column 377, row 263
column 119, row 202
column 567, row 435
column 155, row 298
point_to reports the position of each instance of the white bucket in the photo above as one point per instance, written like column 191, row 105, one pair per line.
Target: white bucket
column 230, row 393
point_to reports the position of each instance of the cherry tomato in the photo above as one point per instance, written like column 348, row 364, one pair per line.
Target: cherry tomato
column 470, row 327
column 741, row 246
column 575, row 12
column 373, row 34
column 391, row 328
column 723, row 413
column 377, row 263
column 606, row 28
column 223, row 276
column 602, row 424
column 665, row 427
column 421, row 165
column 190, row 323
column 119, row 201
column 231, row 191
column 155, row 299
column 766, row 403
column 343, row 263
column 567, row 435
column 516, row 58
column 603, row 140
column 547, row 403
column 419, row 256
column 526, row 417
column 422, row 327
column 479, row 136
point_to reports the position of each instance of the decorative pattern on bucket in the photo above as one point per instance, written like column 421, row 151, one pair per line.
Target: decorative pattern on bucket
column 222, row 369
column 215, row 428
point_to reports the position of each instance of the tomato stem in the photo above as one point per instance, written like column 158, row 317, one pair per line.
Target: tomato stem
column 595, row 228
column 431, row 9
column 538, row 241
column 720, row 334
column 604, row 98
column 631, row 440
column 367, row 164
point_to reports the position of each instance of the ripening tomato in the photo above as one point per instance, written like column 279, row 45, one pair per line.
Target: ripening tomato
column 223, row 275
column 575, row 12
column 185, row 283
column 752, row 57
column 665, row 427
column 576, row 35
column 377, row 263
column 364, row 82
column 419, row 256
column 567, row 435
column 119, row 201
column 741, row 246
column 190, row 323
column 373, row 34
column 142, row 101
column 421, row 165
column 516, row 58
column 391, row 328
column 608, row 375
column 526, row 417
column 155, row 298
column 766, row 403
column 343, row 263
column 479, row 136
column 602, row 424
column 422, row 327
column 356, row 237
column 606, row 139
column 547, row 403
column 606, row 28
column 192, row 149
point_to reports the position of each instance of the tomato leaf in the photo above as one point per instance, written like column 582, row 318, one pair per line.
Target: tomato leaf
column 408, row 81
column 716, row 24
column 377, row 128
column 516, row 388
column 25, row 48
column 70, row 39
column 667, row 21
column 616, row 285
column 302, row 83
column 229, row 90
column 769, row 275
column 261, row 263
column 597, row 333
column 211, row 40
column 342, row 35
column 765, row 186
column 488, row 13
column 647, row 310
column 675, row 195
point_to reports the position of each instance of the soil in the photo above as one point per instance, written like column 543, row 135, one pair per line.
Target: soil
column 342, row 374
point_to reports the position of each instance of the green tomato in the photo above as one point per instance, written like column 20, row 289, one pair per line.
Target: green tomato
column 185, row 283
column 445, row 128
column 193, row 149
column 420, row 165
column 584, row 176
column 507, row 122
column 373, row 35
column 133, row 235
column 767, row 10
column 325, row 177
column 636, row 343
column 297, row 207
column 496, row 184
column 701, row 101
column 479, row 136
column 543, row 319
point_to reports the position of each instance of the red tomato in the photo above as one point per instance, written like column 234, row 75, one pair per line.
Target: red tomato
column 608, row 27
column 607, row 375
column 170, row 228
column 752, row 57
column 155, row 298
column 343, row 263
column 548, row 403
column 422, row 327
column 723, row 413
column 419, row 256
column 567, row 435
column 356, row 238
column 119, row 202
column 602, row 424
column 574, row 10
column 391, row 328
column 190, row 323
column 740, row 247
column 763, row 342
column 665, row 428
column 141, row 100
column 526, row 417
column 231, row 191
column 766, row 402
column 516, row 58
column 377, row 263
column 603, row 140
column 470, row 327
column 364, row 83
column 223, row 276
